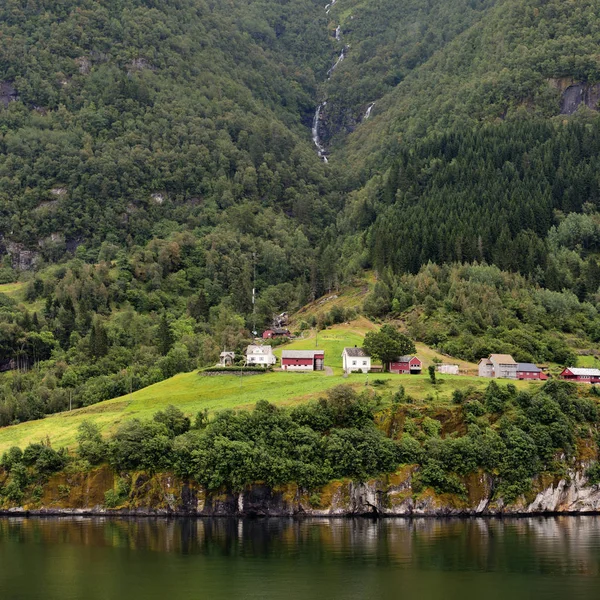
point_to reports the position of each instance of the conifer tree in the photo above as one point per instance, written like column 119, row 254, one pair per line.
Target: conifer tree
column 164, row 335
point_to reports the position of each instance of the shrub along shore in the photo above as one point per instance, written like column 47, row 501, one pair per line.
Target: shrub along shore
column 512, row 436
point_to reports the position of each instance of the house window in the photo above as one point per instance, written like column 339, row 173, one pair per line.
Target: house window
column 364, row 362
column 353, row 363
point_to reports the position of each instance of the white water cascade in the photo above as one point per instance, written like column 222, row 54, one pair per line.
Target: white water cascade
column 315, row 132
column 321, row 150
column 369, row 109
column 337, row 62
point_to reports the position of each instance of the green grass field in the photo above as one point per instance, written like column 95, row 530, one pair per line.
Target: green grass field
column 13, row 290
column 590, row 362
column 332, row 341
column 192, row 392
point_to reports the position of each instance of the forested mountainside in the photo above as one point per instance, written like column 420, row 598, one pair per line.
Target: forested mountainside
column 156, row 164
column 132, row 118
column 478, row 152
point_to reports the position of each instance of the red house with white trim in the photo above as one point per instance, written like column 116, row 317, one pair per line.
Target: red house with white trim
column 302, row 360
column 406, row 365
column 581, row 375
column 530, row 371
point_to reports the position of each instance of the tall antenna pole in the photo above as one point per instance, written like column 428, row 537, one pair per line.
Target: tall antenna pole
column 254, row 296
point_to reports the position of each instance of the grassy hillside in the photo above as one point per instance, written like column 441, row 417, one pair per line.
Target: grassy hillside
column 192, row 392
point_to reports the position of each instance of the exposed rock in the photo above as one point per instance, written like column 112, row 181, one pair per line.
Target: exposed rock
column 22, row 259
column 575, row 93
column 389, row 496
column 84, row 65
column 158, row 198
column 138, row 64
column 53, row 238
column 58, row 191
column 8, row 93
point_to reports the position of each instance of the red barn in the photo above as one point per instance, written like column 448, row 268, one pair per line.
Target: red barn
column 275, row 333
column 530, row 371
column 406, row 365
column 581, row 375
column 302, row 360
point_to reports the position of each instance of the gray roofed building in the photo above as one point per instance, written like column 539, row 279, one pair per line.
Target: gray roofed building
column 301, row 353
column 355, row 351
column 528, row 368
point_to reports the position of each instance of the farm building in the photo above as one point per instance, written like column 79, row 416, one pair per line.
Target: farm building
column 499, row 366
column 582, row 375
column 276, row 332
column 226, row 359
column 406, row 365
column 260, row 356
column 302, row 360
column 530, row 371
column 448, row 369
column 355, row 359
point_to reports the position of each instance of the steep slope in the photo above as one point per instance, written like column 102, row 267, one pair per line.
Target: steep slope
column 121, row 114
column 484, row 147
column 382, row 43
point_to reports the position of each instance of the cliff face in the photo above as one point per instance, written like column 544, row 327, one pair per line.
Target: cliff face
column 392, row 495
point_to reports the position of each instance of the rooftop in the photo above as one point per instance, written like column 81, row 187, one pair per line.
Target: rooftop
column 503, row 359
column 359, row 352
column 528, row 368
column 253, row 349
column 585, row 372
column 300, row 353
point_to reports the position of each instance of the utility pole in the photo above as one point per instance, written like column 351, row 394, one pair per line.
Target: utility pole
column 254, row 296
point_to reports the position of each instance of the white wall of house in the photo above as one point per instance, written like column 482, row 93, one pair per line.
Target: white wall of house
column 502, row 371
column 260, row 356
column 486, row 369
column 448, row 369
column 353, row 364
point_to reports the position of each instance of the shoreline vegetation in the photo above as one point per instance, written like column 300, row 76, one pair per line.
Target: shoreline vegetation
column 496, row 451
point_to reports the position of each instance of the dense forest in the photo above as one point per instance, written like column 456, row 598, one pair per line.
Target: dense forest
column 156, row 164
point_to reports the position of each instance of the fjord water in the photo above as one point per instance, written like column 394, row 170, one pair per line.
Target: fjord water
column 114, row 559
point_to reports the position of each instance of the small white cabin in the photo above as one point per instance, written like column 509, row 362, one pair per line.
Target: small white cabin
column 355, row 360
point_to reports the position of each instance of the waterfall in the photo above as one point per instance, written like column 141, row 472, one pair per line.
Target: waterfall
column 369, row 109
column 337, row 62
column 321, row 151
column 315, row 132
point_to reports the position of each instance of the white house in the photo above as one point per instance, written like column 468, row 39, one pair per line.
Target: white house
column 448, row 369
column 260, row 356
column 498, row 366
column 355, row 359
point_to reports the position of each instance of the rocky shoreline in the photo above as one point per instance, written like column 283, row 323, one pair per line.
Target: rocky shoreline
column 163, row 495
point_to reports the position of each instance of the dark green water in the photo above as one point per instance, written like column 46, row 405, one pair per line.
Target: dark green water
column 89, row 559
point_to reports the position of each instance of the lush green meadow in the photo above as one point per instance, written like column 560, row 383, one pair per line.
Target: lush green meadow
column 192, row 393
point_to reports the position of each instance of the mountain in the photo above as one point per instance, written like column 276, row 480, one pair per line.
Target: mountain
column 157, row 166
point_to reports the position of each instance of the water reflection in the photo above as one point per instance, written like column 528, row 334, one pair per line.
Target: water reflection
column 233, row 557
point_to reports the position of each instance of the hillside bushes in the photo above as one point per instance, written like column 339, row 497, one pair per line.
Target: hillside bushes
column 514, row 436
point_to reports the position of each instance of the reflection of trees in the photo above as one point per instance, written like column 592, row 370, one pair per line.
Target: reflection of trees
column 558, row 545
